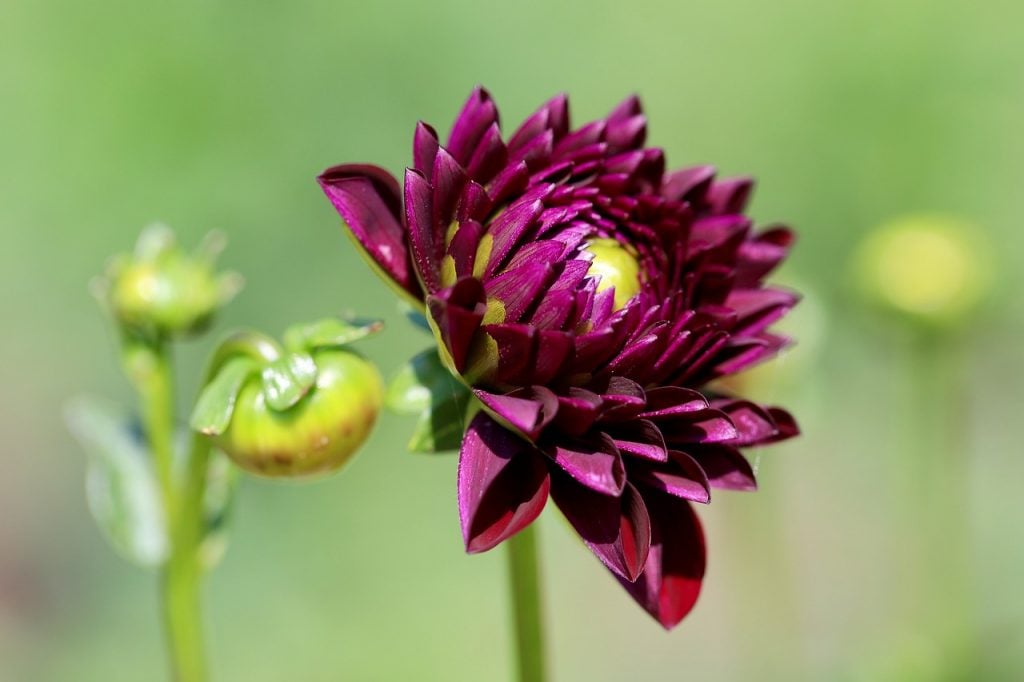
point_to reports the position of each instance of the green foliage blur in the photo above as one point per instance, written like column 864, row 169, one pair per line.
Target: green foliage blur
column 883, row 545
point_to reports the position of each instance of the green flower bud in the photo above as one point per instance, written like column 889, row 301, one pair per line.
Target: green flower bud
column 160, row 291
column 935, row 269
column 296, row 412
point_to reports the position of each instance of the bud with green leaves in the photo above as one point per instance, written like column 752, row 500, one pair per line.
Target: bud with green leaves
column 160, row 291
column 300, row 410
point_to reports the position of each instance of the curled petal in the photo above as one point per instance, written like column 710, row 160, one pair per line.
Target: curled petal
column 682, row 477
column 369, row 201
column 594, row 462
column 725, row 467
column 671, row 580
column 785, row 423
column 527, row 410
column 616, row 529
column 754, row 424
column 503, row 484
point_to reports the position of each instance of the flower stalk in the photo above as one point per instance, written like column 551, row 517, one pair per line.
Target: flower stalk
column 149, row 366
column 527, row 615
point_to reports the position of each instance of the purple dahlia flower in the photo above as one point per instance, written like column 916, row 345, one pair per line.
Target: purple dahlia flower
column 587, row 297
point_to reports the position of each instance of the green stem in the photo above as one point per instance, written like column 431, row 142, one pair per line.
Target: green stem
column 943, row 481
column 524, row 590
column 149, row 366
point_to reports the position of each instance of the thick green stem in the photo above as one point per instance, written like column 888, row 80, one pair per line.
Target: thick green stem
column 524, row 590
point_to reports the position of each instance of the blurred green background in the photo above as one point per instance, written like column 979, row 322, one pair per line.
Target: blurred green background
column 207, row 113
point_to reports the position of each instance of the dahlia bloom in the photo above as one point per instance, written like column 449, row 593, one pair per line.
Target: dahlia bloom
column 587, row 297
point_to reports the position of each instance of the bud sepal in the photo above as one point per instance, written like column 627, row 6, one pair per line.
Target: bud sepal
column 295, row 411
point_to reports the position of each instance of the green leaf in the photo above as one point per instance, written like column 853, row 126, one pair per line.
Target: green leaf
column 287, row 379
column 425, row 387
column 331, row 332
column 221, row 484
column 216, row 403
column 416, row 316
column 121, row 487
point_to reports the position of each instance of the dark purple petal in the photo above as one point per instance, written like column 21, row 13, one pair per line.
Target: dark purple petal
column 754, row 424
column 519, row 289
column 448, row 181
column 671, row 580
column 577, row 411
column 616, row 529
column 553, row 116
column 725, row 467
column 424, row 238
column 594, row 463
column 476, row 117
column 785, row 423
column 503, row 484
column 730, row 195
column 457, row 311
column 688, row 184
column 424, row 149
column 672, row 401
column 517, row 349
column 756, row 309
column 527, row 410
column 640, row 438
column 554, row 348
column 705, row 426
column 369, row 201
column 760, row 255
column 681, row 476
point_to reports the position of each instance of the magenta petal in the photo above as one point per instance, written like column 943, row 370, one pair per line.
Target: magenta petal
column 753, row 423
column 448, row 181
column 761, row 254
column 503, row 484
column 457, row 311
column 705, row 426
column 517, row 350
column 672, row 577
column 688, row 183
column 527, row 410
column 424, row 149
column 423, row 238
column 726, row 467
column 640, row 438
column 785, row 423
column 553, row 116
column 477, row 115
column 595, row 463
column 682, row 477
column 369, row 201
column 756, row 309
column 670, row 401
column 519, row 289
column 578, row 411
column 730, row 195
column 616, row 529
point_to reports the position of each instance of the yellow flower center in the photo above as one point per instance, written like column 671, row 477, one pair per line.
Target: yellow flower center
column 616, row 266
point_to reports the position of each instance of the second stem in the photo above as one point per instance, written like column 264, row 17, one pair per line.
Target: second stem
column 524, row 591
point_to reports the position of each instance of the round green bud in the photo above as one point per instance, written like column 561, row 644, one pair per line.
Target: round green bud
column 160, row 290
column 616, row 266
column 932, row 268
column 317, row 434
